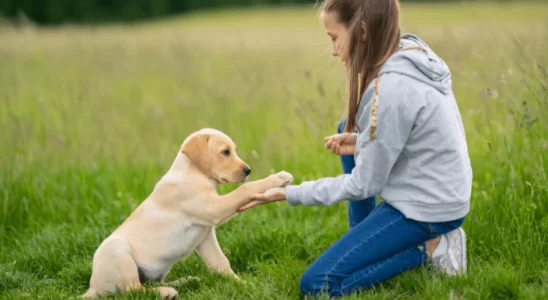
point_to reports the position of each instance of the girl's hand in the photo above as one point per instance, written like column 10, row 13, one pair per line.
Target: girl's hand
column 271, row 195
column 341, row 144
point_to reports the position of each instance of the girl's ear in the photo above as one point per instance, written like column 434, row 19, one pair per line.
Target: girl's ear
column 364, row 31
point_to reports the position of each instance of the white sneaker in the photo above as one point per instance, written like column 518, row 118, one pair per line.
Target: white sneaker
column 453, row 260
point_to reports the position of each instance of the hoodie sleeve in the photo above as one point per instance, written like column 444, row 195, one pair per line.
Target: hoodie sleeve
column 398, row 107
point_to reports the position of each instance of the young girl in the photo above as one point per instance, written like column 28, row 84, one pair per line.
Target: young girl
column 407, row 139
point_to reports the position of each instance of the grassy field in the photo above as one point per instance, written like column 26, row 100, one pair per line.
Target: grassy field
column 90, row 118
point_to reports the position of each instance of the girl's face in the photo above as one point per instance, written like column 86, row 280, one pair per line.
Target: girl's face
column 339, row 36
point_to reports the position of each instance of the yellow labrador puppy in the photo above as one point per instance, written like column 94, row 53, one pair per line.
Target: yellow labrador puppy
column 178, row 217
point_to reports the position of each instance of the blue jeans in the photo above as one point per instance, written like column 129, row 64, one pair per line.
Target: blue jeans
column 380, row 244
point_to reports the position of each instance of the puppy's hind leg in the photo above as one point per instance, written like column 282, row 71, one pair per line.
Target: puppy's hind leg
column 114, row 270
column 167, row 292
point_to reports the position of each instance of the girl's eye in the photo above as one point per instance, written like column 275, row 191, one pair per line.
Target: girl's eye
column 226, row 152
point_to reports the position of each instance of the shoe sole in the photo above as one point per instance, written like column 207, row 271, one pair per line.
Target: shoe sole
column 463, row 245
column 462, row 235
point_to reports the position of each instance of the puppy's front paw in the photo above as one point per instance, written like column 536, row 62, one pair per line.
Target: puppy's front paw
column 283, row 178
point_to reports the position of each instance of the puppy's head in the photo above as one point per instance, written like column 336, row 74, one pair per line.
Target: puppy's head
column 214, row 154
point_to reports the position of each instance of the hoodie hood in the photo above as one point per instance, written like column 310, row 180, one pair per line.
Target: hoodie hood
column 421, row 64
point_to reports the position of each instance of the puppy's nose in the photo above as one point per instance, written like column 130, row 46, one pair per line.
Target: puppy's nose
column 247, row 171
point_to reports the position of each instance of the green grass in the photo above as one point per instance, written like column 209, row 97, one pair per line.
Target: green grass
column 90, row 118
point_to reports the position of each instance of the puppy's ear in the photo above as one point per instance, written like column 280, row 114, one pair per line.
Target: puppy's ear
column 197, row 150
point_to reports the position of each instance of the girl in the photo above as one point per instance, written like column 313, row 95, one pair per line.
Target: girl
column 404, row 141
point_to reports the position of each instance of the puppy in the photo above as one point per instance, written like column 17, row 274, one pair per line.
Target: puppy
column 178, row 217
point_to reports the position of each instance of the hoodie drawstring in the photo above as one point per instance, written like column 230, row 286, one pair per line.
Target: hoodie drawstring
column 375, row 104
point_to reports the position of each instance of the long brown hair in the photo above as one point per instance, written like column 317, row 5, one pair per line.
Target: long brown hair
column 382, row 34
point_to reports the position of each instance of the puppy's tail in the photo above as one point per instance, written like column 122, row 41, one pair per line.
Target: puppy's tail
column 90, row 293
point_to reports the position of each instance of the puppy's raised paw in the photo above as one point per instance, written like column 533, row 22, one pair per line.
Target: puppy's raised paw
column 283, row 178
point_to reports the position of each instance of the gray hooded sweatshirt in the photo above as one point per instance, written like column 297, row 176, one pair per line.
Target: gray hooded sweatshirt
column 418, row 161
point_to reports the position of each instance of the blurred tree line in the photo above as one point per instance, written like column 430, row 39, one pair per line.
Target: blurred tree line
column 94, row 11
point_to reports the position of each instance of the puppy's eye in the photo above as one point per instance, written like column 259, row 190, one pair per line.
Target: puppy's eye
column 226, row 152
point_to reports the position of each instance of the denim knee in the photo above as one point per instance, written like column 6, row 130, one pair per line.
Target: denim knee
column 308, row 285
column 311, row 286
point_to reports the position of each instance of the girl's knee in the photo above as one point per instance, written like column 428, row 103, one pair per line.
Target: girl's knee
column 308, row 285
column 311, row 285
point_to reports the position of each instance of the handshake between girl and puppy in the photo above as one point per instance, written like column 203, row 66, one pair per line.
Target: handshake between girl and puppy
column 178, row 217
